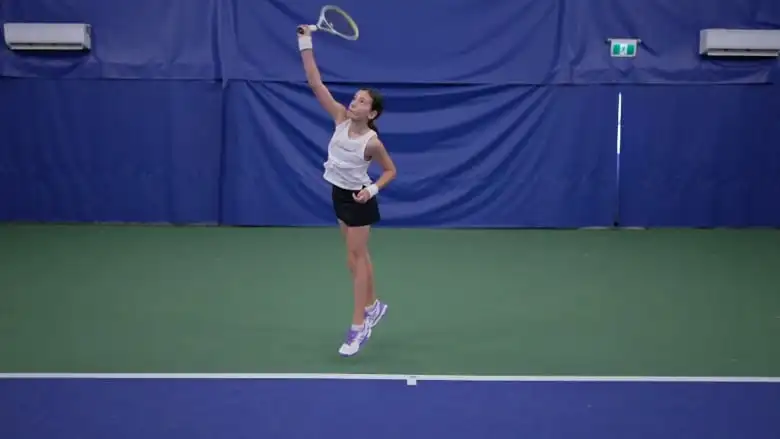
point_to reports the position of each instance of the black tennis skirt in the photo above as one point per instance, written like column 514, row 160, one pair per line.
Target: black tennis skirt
column 352, row 213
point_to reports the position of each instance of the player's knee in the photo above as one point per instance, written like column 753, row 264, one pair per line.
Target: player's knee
column 357, row 254
column 357, row 245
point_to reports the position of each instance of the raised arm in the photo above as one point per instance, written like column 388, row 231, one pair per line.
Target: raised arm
column 335, row 109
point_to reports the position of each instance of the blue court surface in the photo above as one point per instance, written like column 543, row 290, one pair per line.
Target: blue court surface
column 167, row 406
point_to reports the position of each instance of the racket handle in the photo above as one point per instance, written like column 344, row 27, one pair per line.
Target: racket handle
column 312, row 28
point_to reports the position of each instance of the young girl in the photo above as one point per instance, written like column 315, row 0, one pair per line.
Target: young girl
column 352, row 147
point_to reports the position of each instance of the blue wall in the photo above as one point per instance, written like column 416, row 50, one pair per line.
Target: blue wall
column 196, row 111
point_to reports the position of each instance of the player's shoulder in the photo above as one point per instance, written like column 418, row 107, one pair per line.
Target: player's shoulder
column 375, row 143
column 340, row 124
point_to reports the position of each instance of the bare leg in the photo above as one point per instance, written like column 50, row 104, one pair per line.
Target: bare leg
column 357, row 246
column 371, row 298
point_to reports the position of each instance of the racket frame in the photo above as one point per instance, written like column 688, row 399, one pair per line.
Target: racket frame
column 324, row 26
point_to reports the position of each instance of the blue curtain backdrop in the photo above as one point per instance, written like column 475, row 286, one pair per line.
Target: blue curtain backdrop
column 197, row 111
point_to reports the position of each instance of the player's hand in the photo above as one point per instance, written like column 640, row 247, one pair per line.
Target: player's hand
column 362, row 197
column 303, row 30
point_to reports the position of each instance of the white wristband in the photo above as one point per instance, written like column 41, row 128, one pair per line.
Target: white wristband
column 373, row 190
column 304, row 43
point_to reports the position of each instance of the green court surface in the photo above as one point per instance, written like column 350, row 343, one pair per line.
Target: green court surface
column 102, row 298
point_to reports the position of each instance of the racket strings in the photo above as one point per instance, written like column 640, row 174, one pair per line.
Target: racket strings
column 338, row 23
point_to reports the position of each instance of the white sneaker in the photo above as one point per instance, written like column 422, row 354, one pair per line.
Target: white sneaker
column 355, row 340
column 375, row 313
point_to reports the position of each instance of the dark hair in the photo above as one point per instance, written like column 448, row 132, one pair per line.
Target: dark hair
column 377, row 104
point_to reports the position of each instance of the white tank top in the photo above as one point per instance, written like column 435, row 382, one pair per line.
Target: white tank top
column 347, row 166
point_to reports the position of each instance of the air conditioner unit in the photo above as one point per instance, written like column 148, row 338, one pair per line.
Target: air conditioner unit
column 739, row 42
column 47, row 36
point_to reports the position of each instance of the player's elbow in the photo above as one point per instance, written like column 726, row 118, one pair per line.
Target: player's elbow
column 390, row 172
column 315, row 83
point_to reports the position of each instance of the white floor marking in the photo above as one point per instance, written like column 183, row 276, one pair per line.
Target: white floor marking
column 405, row 378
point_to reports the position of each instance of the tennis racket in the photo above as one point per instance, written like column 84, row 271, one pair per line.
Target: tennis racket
column 336, row 21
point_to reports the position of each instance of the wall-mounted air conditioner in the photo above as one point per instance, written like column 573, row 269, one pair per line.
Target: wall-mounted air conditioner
column 47, row 36
column 739, row 42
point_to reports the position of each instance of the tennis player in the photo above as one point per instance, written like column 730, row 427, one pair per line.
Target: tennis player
column 353, row 146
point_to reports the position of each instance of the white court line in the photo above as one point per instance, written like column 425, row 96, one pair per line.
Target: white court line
column 381, row 377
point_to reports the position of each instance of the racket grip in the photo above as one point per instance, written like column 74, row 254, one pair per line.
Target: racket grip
column 312, row 28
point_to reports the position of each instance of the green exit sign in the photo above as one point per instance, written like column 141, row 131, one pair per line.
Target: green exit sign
column 623, row 48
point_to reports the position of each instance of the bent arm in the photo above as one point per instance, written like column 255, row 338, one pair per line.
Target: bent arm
column 377, row 151
column 335, row 109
